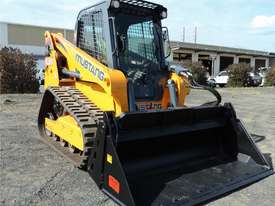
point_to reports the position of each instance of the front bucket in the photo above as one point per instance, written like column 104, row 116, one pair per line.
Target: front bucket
column 179, row 157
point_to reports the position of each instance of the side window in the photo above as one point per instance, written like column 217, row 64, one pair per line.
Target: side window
column 91, row 35
column 141, row 40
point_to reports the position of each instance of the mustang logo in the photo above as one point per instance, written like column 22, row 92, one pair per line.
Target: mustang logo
column 90, row 67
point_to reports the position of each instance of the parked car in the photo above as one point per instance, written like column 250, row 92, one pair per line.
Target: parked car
column 211, row 82
column 41, row 76
column 254, row 79
column 220, row 80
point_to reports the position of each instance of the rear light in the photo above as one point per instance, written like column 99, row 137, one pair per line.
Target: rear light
column 114, row 184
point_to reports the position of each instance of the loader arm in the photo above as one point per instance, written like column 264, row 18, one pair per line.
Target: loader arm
column 110, row 85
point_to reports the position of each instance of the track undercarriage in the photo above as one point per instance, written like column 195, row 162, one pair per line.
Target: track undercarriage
column 68, row 121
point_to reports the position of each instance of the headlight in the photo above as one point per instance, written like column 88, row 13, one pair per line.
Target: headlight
column 116, row 4
column 164, row 14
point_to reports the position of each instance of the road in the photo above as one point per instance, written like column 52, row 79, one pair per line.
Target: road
column 32, row 174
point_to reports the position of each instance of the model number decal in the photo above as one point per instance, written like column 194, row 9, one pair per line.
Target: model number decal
column 90, row 67
column 151, row 106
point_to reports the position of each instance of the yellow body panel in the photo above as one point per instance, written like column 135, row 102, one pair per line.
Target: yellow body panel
column 182, row 88
column 66, row 128
column 95, row 93
column 51, row 71
column 182, row 91
column 105, row 87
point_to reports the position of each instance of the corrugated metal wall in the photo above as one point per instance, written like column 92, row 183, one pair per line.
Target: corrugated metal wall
column 31, row 35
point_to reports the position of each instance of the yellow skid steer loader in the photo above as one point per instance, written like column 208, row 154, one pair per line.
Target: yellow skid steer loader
column 115, row 107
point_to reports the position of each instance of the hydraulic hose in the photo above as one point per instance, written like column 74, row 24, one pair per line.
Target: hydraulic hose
column 194, row 85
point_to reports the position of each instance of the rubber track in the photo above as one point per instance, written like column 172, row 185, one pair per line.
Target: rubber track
column 87, row 115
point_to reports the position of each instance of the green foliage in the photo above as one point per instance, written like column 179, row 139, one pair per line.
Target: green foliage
column 197, row 70
column 238, row 74
column 17, row 72
column 270, row 78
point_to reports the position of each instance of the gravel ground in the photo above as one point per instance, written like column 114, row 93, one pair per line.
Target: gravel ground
column 32, row 174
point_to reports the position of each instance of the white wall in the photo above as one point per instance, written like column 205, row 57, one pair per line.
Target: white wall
column 35, row 50
column 253, row 62
column 267, row 63
column 195, row 57
column 217, row 65
column 3, row 35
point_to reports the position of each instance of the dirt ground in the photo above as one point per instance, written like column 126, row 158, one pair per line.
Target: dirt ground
column 32, row 174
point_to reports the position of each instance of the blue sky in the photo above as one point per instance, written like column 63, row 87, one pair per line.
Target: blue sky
column 237, row 23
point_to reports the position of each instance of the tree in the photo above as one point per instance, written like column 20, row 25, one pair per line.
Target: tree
column 270, row 78
column 238, row 74
column 17, row 72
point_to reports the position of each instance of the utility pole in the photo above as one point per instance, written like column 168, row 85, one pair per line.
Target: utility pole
column 196, row 33
column 184, row 31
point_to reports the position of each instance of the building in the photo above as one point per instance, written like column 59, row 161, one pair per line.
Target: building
column 218, row 58
column 29, row 38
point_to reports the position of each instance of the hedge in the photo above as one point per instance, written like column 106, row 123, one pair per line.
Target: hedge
column 18, row 73
column 238, row 74
column 198, row 71
column 270, row 78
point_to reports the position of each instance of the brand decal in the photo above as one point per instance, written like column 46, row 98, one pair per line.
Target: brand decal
column 151, row 106
column 90, row 67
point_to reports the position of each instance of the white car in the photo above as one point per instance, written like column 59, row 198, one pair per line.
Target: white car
column 263, row 72
column 41, row 77
column 221, row 79
column 40, row 68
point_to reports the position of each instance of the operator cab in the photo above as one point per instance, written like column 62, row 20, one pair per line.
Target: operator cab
column 129, row 37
